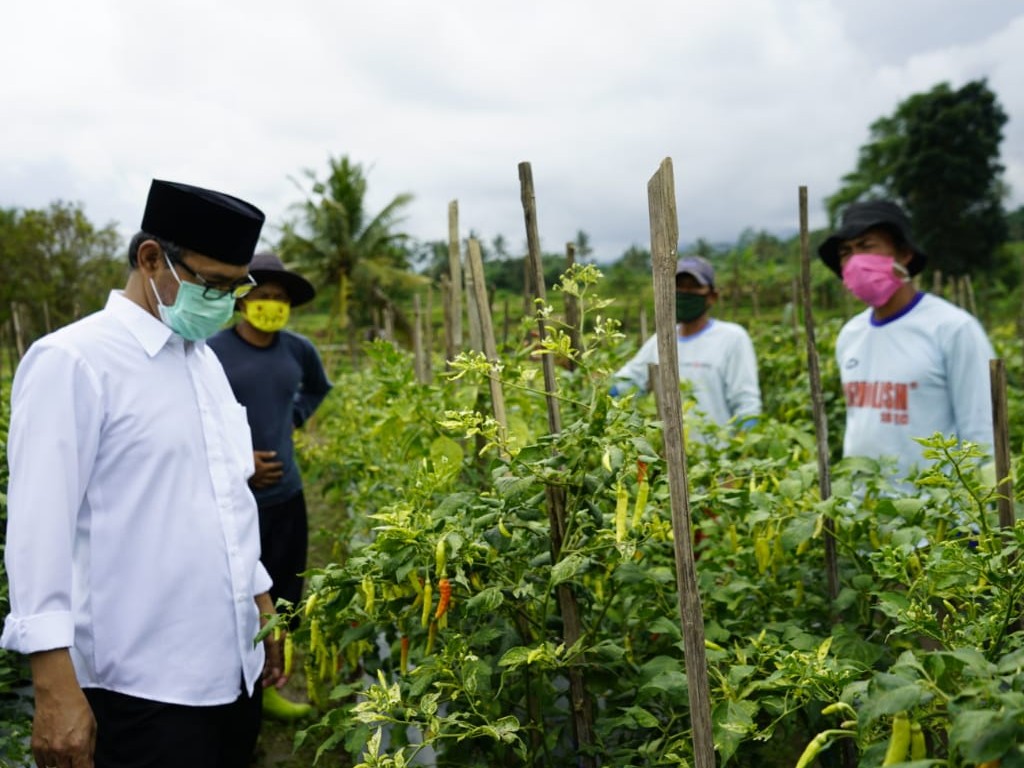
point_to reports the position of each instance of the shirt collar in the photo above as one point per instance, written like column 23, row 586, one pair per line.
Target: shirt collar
column 150, row 332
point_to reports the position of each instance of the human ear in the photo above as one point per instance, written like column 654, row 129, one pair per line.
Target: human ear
column 149, row 257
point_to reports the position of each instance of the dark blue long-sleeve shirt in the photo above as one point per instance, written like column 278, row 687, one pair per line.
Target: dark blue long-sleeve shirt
column 280, row 386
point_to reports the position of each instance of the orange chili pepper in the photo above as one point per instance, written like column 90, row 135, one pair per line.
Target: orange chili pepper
column 444, row 588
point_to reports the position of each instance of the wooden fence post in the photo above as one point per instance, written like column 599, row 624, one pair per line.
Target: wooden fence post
column 664, row 250
column 475, row 265
column 582, row 714
column 572, row 311
column 454, row 339
column 1001, row 447
column 817, row 402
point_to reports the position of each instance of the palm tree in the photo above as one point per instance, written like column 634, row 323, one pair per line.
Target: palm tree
column 358, row 258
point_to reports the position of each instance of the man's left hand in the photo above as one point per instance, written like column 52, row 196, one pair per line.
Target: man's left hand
column 273, row 645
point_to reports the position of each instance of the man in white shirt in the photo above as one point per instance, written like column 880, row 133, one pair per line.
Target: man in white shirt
column 715, row 357
column 132, row 541
column 911, row 364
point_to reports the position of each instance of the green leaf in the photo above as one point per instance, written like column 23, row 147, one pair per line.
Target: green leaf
column 515, row 657
column 446, row 454
column 641, row 717
column 891, row 702
column 567, row 568
column 986, row 735
column 487, row 600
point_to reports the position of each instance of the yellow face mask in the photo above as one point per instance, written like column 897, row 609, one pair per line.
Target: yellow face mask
column 267, row 315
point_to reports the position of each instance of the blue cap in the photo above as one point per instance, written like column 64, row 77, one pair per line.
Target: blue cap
column 699, row 268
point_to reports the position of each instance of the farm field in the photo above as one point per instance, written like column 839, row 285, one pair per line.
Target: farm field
column 434, row 625
column 424, row 494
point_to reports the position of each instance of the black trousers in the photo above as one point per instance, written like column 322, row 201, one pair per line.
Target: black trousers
column 284, row 540
column 139, row 733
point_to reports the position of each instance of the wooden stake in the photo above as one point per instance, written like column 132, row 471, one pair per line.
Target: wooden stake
column 490, row 349
column 454, row 344
column 572, row 310
column 417, row 340
column 450, row 350
column 817, row 401
column 428, row 337
column 664, row 252
column 19, row 337
column 582, row 712
column 1001, row 449
column 473, row 308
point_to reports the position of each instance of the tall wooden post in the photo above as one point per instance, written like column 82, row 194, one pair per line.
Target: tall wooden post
column 817, row 401
column 475, row 265
column 664, row 249
column 572, row 310
column 454, row 342
column 582, row 714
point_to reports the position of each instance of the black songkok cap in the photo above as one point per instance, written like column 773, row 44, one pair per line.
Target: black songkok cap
column 858, row 218
column 210, row 223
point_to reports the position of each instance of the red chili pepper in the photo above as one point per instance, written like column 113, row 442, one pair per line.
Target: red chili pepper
column 444, row 588
column 641, row 471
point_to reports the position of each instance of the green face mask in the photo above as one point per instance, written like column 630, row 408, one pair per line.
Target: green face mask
column 690, row 306
column 192, row 315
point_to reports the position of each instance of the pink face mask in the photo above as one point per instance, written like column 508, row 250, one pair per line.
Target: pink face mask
column 873, row 278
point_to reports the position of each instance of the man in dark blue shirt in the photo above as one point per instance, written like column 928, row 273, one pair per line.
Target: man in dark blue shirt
column 277, row 375
column 279, row 378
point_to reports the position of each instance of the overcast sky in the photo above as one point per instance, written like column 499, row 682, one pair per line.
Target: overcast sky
column 444, row 99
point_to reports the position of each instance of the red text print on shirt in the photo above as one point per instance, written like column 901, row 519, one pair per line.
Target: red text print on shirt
column 889, row 398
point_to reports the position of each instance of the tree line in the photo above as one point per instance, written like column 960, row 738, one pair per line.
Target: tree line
column 938, row 155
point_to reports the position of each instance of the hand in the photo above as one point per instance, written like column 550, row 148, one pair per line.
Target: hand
column 64, row 729
column 268, row 472
column 273, row 645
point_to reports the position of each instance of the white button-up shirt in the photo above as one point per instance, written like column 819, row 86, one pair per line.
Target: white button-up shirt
column 132, row 534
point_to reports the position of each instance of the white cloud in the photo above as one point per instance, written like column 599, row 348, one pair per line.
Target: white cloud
column 444, row 100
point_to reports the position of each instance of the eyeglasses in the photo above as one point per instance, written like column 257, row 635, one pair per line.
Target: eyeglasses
column 212, row 292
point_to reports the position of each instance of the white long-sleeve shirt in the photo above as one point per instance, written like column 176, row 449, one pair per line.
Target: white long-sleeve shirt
column 132, row 534
column 718, row 362
column 924, row 371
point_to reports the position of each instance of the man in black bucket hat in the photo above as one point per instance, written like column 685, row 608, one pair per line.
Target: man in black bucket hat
column 279, row 378
column 911, row 364
column 132, row 540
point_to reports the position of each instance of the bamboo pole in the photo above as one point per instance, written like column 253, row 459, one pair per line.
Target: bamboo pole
column 664, row 251
column 475, row 266
column 428, row 337
column 447, row 304
column 572, row 311
column 506, row 324
column 817, row 402
column 454, row 342
column 473, row 309
column 795, row 303
column 1001, row 448
column 582, row 714
column 969, row 295
column 19, row 337
column 419, row 355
